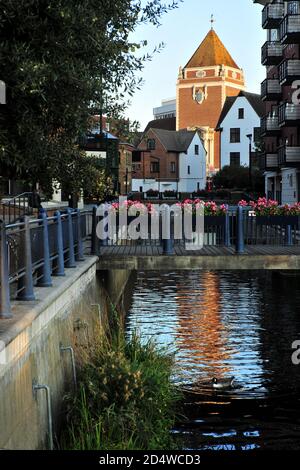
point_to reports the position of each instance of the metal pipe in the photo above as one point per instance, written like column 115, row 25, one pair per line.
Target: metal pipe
column 71, row 351
column 25, row 287
column 99, row 312
column 45, row 279
column 5, row 306
column 60, row 267
column 71, row 261
column 240, row 241
column 79, row 254
column 36, row 388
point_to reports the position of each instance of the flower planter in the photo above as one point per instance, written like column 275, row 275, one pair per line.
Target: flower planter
column 211, row 221
column 283, row 220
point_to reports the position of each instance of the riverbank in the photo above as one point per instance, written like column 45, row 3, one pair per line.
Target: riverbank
column 125, row 398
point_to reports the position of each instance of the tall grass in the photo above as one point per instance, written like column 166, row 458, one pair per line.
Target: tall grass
column 125, row 399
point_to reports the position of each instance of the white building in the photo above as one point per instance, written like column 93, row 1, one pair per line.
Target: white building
column 166, row 110
column 240, row 118
column 170, row 161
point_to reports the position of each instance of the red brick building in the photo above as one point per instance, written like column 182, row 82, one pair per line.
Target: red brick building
column 209, row 77
column 169, row 160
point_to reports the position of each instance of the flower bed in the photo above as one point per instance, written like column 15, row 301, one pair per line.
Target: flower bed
column 269, row 212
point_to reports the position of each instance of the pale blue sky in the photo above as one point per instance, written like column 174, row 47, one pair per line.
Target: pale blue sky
column 238, row 24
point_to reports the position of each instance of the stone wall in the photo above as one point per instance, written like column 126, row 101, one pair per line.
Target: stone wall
column 62, row 316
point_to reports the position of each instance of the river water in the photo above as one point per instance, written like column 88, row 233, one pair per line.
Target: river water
column 227, row 324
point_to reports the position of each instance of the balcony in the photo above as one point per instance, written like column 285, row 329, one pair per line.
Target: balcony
column 271, row 161
column 289, row 114
column 271, row 53
column 270, row 89
column 290, row 29
column 272, row 15
column 289, row 156
column 269, row 126
column 289, row 71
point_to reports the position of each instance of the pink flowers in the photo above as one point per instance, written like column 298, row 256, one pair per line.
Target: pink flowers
column 210, row 207
column 268, row 207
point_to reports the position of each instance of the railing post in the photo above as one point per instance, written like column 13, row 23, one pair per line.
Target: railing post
column 104, row 240
column 79, row 254
column 45, row 280
column 71, row 261
column 240, row 241
column 227, row 230
column 60, row 267
column 289, row 236
column 26, row 282
column 168, row 240
column 5, row 307
column 94, row 245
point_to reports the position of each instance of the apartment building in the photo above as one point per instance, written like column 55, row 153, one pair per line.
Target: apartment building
column 281, row 94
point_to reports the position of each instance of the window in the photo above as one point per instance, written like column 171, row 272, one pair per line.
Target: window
column 154, row 167
column 256, row 133
column 151, row 144
column 173, row 167
column 196, row 149
column 235, row 135
column 293, row 8
column 241, row 113
column 235, row 159
column 189, row 170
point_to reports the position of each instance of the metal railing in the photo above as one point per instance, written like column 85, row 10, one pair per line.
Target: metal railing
column 34, row 250
column 13, row 209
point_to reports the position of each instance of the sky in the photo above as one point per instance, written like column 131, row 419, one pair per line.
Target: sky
column 238, row 24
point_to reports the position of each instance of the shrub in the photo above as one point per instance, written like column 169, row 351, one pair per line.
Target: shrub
column 126, row 399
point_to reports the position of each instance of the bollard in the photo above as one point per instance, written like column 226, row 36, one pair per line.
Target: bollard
column 104, row 240
column 79, row 253
column 71, row 261
column 25, row 284
column 94, row 245
column 168, row 237
column 227, row 230
column 5, row 307
column 240, row 242
column 289, row 236
column 45, row 271
column 60, row 266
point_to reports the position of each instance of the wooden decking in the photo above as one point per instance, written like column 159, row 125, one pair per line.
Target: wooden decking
column 143, row 257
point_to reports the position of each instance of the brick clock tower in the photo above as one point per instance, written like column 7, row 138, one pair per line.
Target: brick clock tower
column 202, row 87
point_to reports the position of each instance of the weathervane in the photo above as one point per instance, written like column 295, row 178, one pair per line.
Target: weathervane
column 212, row 20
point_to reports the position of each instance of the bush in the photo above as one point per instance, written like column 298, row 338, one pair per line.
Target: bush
column 125, row 399
column 152, row 193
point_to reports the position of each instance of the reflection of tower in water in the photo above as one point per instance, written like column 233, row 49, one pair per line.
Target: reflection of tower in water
column 201, row 332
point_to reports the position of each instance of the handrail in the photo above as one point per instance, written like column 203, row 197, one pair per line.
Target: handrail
column 58, row 241
column 16, row 207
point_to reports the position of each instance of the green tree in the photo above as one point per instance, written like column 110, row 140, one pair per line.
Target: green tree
column 62, row 61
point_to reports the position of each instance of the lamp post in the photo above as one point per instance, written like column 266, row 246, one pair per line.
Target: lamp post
column 249, row 136
column 158, row 160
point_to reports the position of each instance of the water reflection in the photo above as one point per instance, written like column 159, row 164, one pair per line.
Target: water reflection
column 239, row 324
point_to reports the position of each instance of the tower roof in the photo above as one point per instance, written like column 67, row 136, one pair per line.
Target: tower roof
column 211, row 52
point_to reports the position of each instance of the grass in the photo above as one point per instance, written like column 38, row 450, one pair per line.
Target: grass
column 125, row 399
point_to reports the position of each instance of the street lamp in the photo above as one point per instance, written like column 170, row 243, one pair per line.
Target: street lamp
column 249, row 136
column 158, row 160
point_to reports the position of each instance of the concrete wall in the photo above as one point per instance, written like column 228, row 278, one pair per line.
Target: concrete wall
column 62, row 315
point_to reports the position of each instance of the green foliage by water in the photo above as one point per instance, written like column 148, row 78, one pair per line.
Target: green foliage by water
column 125, row 400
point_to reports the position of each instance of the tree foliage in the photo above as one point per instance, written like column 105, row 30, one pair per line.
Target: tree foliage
column 237, row 177
column 62, row 61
